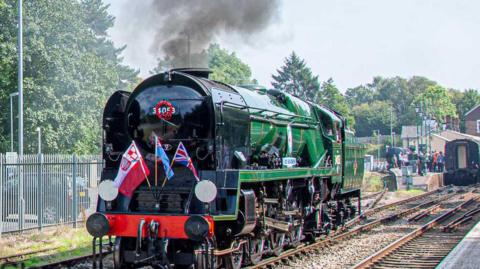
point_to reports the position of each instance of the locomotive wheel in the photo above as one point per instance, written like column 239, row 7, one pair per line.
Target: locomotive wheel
column 118, row 262
column 277, row 240
column 200, row 262
column 256, row 247
column 235, row 259
column 296, row 236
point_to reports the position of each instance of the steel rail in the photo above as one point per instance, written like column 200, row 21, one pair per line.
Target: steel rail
column 341, row 236
column 396, row 245
column 371, row 195
column 18, row 256
column 372, row 211
column 378, row 198
column 70, row 262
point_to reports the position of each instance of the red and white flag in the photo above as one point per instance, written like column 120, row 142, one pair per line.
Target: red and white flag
column 132, row 171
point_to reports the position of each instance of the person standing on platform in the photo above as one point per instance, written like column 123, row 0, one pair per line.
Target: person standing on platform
column 441, row 162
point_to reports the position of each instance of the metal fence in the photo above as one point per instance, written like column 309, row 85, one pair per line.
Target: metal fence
column 44, row 190
column 382, row 139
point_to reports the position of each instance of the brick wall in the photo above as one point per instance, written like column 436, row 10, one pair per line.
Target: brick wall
column 471, row 127
column 471, row 121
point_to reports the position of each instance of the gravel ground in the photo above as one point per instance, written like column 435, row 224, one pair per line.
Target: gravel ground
column 349, row 252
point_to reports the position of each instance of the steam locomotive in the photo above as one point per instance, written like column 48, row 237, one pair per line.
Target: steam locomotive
column 274, row 171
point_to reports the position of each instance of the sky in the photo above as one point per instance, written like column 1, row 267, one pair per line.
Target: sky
column 350, row 41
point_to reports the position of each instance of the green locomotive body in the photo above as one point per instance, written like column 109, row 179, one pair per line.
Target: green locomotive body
column 284, row 170
column 319, row 140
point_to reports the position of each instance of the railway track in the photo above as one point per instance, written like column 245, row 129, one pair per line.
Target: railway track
column 343, row 235
column 405, row 207
column 378, row 212
column 426, row 246
column 18, row 261
column 11, row 259
column 371, row 200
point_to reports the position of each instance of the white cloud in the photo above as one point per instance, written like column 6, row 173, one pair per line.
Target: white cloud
column 350, row 41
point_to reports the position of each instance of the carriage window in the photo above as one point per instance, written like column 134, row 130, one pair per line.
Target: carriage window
column 462, row 156
column 478, row 126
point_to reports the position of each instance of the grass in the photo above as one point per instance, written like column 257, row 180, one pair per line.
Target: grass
column 372, row 182
column 411, row 192
column 58, row 256
column 68, row 242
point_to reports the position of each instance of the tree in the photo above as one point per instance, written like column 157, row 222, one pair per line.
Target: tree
column 296, row 78
column 437, row 102
column 464, row 101
column 397, row 91
column 330, row 96
column 360, row 95
column 226, row 67
column 71, row 68
column 373, row 116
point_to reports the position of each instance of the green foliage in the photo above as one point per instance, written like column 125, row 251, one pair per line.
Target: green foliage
column 296, row 78
column 437, row 102
column 360, row 95
column 399, row 93
column 226, row 67
column 464, row 101
column 373, row 116
column 330, row 96
column 372, row 182
column 71, row 68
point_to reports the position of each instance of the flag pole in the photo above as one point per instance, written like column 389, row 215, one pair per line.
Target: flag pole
column 145, row 174
column 169, row 168
column 141, row 165
column 156, row 157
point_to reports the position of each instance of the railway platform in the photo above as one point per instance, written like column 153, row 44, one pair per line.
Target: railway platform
column 466, row 255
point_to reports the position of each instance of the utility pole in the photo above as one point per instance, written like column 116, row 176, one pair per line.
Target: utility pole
column 21, row 200
column 378, row 143
column 11, row 119
column 391, row 126
column 39, row 132
column 20, row 78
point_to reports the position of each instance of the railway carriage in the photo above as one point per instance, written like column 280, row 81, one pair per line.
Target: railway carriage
column 274, row 170
column 462, row 159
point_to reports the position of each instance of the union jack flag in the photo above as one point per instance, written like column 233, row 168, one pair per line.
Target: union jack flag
column 181, row 156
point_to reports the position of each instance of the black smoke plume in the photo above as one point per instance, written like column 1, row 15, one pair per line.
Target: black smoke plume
column 187, row 27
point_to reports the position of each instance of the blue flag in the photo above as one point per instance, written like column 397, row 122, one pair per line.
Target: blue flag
column 160, row 153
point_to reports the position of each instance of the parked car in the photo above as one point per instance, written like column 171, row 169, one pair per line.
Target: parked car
column 51, row 194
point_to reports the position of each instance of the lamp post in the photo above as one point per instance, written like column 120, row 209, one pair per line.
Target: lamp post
column 378, row 143
column 417, row 111
column 11, row 119
column 391, row 127
column 20, row 78
column 39, row 131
